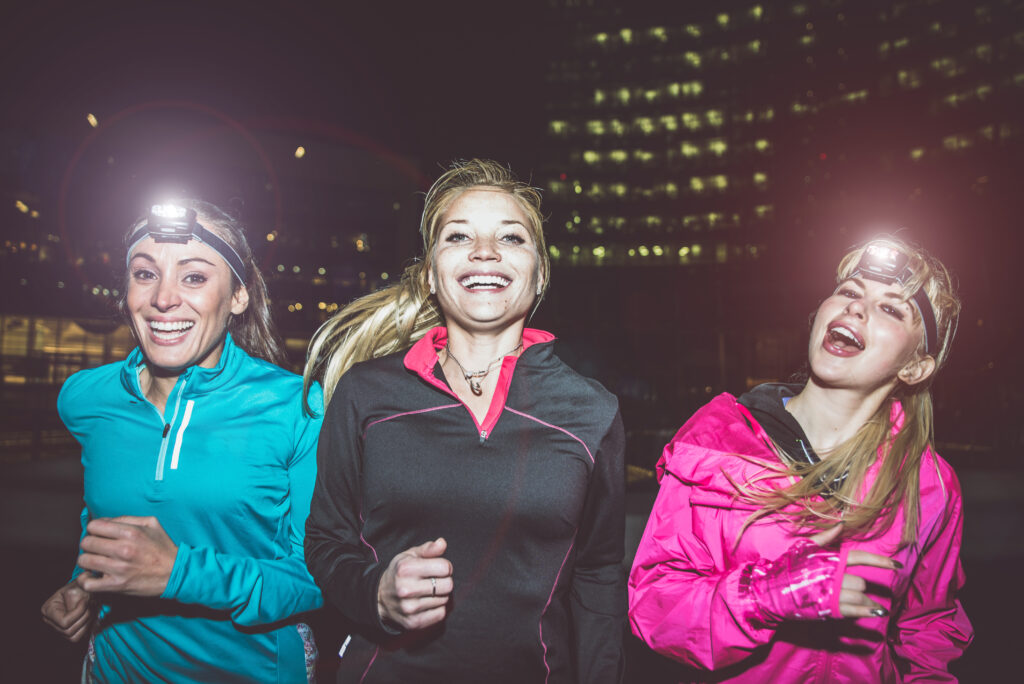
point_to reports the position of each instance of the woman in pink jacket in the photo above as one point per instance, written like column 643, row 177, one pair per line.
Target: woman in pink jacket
column 811, row 533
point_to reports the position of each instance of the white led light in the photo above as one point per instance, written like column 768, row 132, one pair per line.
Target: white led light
column 169, row 211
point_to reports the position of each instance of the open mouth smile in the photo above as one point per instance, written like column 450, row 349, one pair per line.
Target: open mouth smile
column 168, row 331
column 484, row 282
column 842, row 341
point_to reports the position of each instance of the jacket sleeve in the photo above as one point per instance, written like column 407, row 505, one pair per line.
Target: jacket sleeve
column 684, row 602
column 931, row 627
column 598, row 591
column 343, row 564
column 258, row 591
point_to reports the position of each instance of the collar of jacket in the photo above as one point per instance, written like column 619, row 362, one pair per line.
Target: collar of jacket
column 722, row 446
column 199, row 380
column 422, row 357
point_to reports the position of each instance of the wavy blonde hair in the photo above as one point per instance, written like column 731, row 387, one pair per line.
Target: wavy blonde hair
column 869, row 515
column 393, row 318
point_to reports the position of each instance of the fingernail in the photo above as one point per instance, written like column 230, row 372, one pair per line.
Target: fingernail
column 899, row 566
column 879, row 612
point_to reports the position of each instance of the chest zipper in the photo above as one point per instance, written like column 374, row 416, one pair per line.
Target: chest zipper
column 483, row 436
column 162, row 456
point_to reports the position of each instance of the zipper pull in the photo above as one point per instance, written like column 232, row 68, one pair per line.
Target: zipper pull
column 167, row 428
column 483, row 436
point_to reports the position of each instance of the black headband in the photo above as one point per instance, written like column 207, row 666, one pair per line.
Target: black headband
column 171, row 223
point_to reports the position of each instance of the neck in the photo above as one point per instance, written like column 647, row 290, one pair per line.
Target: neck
column 476, row 350
column 157, row 385
column 829, row 416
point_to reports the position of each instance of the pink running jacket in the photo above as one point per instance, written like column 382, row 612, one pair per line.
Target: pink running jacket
column 689, row 590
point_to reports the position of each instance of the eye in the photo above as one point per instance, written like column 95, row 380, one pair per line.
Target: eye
column 456, row 236
column 513, row 239
column 892, row 311
column 849, row 293
column 143, row 274
column 195, row 279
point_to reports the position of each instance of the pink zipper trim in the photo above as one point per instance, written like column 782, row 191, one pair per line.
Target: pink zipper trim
column 409, row 413
column 553, row 427
column 369, row 665
column 540, row 624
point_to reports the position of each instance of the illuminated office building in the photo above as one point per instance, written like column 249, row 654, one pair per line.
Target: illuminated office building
column 687, row 133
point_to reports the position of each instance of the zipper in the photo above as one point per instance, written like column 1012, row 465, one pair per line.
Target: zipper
column 483, row 436
column 162, row 456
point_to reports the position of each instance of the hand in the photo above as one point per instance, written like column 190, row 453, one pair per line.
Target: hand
column 415, row 589
column 853, row 601
column 126, row 555
column 69, row 611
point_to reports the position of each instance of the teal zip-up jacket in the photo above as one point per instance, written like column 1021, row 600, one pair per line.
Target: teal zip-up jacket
column 228, row 470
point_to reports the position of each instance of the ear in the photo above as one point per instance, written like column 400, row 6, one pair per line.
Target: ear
column 918, row 370
column 239, row 300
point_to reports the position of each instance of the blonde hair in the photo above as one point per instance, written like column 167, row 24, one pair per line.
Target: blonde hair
column 867, row 515
column 393, row 318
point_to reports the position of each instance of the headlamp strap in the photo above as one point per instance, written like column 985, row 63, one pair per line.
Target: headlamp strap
column 887, row 265
column 169, row 223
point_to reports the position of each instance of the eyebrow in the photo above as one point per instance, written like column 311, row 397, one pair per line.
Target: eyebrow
column 181, row 262
column 892, row 295
column 504, row 222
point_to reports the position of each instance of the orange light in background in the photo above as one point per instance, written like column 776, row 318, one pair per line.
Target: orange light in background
column 300, row 152
column 21, row 206
column 91, row 118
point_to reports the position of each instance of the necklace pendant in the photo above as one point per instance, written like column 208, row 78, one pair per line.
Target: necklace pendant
column 474, row 386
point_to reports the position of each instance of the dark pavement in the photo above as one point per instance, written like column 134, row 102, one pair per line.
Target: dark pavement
column 40, row 501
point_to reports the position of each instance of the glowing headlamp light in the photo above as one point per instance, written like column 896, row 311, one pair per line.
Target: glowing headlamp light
column 888, row 265
column 173, row 223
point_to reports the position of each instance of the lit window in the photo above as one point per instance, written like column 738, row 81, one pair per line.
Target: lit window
column 622, row 95
column 713, row 217
column 598, row 251
column 754, row 46
column 669, row 122
column 987, row 132
column 714, row 117
column 692, row 88
column 618, row 128
column 601, row 38
column 806, row 40
column 693, row 59
column 672, row 89
column 591, row 157
column 917, row 153
column 723, row 19
column 693, row 30
column 559, row 127
column 763, row 210
column 762, row 145
column 618, row 189
column 717, row 146
column 691, row 120
column 651, row 95
column 599, row 96
column 900, row 43
column 689, row 149
column 627, row 35
column 658, row 33
column 642, row 249
column 554, row 251
column 719, row 181
column 657, row 249
column 618, row 156
column 760, row 179
column 856, row 95
column 767, row 114
column 643, row 156
column 645, row 124
column 671, row 189
column 595, row 127
column 697, row 184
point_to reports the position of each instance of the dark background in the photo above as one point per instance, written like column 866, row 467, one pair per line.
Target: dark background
column 415, row 85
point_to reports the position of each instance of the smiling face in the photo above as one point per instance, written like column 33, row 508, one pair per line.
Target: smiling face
column 179, row 298
column 485, row 263
column 867, row 337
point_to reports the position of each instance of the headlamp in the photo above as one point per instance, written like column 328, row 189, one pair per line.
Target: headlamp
column 174, row 223
column 887, row 265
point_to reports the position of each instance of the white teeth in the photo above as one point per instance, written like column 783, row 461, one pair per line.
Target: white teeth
column 481, row 281
column 168, row 326
column 847, row 334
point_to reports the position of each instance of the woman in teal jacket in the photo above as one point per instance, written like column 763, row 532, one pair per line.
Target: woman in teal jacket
column 199, row 466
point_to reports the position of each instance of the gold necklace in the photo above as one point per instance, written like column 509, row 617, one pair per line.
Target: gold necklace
column 474, row 378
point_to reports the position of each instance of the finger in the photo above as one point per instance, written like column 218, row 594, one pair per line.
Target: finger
column 867, row 608
column 419, row 568
column 826, row 537
column 858, row 557
column 75, row 630
column 854, row 583
column 425, row 618
column 436, row 586
column 137, row 520
column 421, row 604
column 431, row 549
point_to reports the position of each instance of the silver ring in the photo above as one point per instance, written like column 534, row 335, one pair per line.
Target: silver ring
column 433, row 586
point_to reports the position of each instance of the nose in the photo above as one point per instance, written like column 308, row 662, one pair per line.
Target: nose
column 166, row 295
column 856, row 307
column 485, row 249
